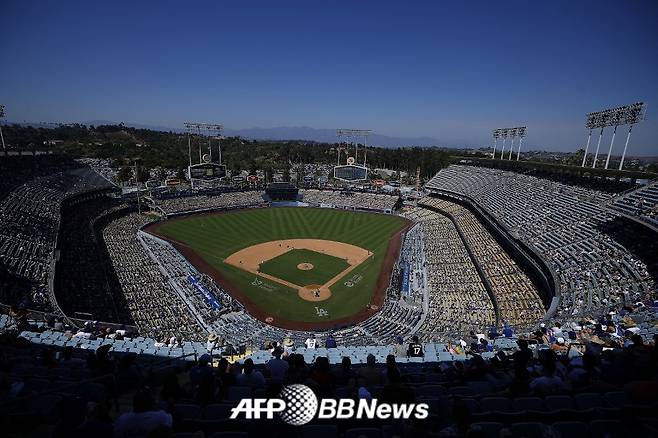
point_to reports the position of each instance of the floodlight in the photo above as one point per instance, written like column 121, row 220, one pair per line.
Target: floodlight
column 614, row 117
column 352, row 171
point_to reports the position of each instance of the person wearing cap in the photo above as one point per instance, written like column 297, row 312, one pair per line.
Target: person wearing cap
column 559, row 346
column 288, row 345
column 277, row 367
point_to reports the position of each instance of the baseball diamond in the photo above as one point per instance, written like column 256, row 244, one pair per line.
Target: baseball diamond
column 281, row 262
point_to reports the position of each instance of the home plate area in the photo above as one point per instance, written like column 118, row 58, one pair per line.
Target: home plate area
column 314, row 292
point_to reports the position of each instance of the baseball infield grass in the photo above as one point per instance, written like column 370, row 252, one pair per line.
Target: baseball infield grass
column 214, row 237
column 325, row 267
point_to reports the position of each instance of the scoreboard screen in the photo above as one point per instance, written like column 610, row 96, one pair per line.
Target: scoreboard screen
column 350, row 172
column 207, row 171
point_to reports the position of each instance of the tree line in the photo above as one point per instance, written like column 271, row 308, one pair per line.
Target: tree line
column 122, row 145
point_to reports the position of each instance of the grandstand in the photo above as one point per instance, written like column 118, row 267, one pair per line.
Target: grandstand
column 104, row 309
column 570, row 227
column 640, row 204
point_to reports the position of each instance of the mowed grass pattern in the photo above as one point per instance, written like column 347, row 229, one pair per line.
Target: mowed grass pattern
column 325, row 267
column 215, row 237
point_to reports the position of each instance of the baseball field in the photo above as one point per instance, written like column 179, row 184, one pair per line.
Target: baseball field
column 298, row 268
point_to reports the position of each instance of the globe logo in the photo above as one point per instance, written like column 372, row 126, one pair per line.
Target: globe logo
column 301, row 404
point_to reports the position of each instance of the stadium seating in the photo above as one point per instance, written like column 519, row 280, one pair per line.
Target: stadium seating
column 570, row 227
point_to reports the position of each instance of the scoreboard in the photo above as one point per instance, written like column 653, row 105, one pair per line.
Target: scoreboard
column 207, row 171
column 351, row 173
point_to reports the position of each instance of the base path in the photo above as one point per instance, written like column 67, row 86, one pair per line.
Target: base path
column 252, row 257
column 249, row 259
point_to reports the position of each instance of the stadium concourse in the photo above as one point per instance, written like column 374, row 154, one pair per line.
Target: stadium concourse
column 107, row 311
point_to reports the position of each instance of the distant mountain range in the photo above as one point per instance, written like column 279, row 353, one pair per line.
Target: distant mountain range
column 279, row 134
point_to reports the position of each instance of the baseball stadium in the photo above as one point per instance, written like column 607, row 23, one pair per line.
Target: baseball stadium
column 328, row 219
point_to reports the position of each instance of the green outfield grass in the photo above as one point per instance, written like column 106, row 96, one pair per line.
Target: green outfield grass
column 215, row 237
column 325, row 267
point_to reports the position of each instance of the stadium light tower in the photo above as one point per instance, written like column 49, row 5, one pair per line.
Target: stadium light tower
column 352, row 171
column 601, row 120
column 615, row 119
column 496, row 136
column 210, row 129
column 511, row 145
column 590, row 124
column 634, row 113
column 2, row 116
column 503, row 133
column 521, row 131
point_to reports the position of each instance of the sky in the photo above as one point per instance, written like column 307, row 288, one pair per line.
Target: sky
column 448, row 70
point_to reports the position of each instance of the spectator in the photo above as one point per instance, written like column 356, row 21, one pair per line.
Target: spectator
column 288, row 345
column 399, row 348
column 311, row 341
column 321, row 377
column 415, row 348
column 330, row 342
column 143, row 419
column 212, row 344
column 250, row 376
column 345, row 375
column 369, row 375
column 277, row 367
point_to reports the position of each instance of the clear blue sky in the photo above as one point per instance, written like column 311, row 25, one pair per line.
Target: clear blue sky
column 449, row 71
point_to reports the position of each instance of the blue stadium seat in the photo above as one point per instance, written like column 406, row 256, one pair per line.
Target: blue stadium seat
column 528, row 430
column 319, row 431
column 571, row 429
column 363, row 432
column 489, row 429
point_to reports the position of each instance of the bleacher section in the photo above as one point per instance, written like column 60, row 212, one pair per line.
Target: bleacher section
column 31, row 193
column 641, row 204
column 570, row 228
column 349, row 199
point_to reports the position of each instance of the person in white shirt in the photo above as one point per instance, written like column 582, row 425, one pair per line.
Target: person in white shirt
column 311, row 342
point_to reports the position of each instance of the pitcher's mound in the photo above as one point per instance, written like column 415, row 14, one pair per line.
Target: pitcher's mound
column 305, row 266
column 314, row 292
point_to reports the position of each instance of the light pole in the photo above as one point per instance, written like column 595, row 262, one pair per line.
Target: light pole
column 511, row 145
column 521, row 131
column 2, row 116
column 504, row 132
column 598, row 144
column 614, row 117
column 496, row 136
